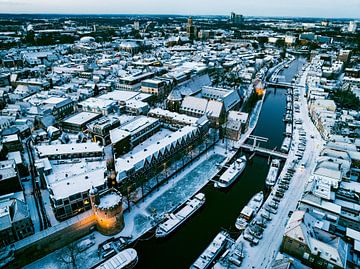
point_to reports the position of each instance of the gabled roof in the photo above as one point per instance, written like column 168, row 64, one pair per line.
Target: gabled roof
column 20, row 210
column 136, row 161
column 214, row 108
column 305, row 228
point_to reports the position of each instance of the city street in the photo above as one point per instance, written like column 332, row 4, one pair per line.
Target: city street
column 263, row 254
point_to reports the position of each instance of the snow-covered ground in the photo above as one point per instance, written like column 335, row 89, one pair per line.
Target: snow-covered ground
column 146, row 214
column 84, row 259
column 142, row 217
column 262, row 255
column 171, row 195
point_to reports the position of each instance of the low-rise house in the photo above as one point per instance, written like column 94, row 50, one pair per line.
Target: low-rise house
column 60, row 107
column 6, row 122
column 69, row 151
column 122, row 97
column 136, row 107
column 133, row 133
column 172, row 119
column 9, row 177
column 15, row 221
column 69, row 183
column 155, row 87
column 20, row 165
column 198, row 107
column 237, row 123
column 230, row 98
column 12, row 142
column 97, row 105
column 307, row 238
column 133, row 82
column 79, row 122
column 100, row 129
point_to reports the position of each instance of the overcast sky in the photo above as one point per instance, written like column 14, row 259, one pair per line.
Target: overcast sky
column 301, row 8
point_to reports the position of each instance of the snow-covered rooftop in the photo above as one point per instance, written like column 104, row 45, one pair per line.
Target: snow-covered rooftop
column 81, row 118
column 177, row 117
column 137, row 160
column 65, row 149
column 97, row 103
column 109, row 200
column 77, row 183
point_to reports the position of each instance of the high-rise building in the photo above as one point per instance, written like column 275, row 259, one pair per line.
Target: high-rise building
column 236, row 18
column 325, row 23
column 352, row 27
column 137, row 25
column 190, row 22
column 190, row 29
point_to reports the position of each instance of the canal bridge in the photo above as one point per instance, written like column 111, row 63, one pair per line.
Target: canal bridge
column 264, row 151
column 255, row 148
column 283, row 85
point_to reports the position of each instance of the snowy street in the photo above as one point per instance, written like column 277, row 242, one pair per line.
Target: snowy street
column 30, row 199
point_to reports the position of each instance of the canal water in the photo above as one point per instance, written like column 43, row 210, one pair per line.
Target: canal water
column 182, row 248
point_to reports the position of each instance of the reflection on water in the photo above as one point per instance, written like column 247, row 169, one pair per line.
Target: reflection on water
column 221, row 209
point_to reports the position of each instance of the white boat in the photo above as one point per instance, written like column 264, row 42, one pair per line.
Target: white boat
column 249, row 211
column 212, row 251
column 285, row 147
column 273, row 173
column 125, row 259
column 232, row 173
column 174, row 220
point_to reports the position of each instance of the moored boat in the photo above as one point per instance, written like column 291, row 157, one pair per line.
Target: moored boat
column 212, row 251
column 273, row 173
column 174, row 220
column 249, row 211
column 125, row 259
column 232, row 173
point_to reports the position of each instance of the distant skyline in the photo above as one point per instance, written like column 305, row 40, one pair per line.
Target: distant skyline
column 289, row 8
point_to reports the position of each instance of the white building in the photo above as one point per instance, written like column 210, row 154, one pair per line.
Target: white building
column 352, row 27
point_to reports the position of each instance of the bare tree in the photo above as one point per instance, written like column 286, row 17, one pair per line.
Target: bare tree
column 69, row 256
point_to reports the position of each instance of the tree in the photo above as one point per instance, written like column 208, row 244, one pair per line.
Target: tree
column 69, row 256
column 30, row 37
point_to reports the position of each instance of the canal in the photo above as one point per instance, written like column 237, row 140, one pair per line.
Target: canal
column 221, row 209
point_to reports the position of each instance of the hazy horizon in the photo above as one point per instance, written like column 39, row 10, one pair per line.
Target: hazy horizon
column 275, row 8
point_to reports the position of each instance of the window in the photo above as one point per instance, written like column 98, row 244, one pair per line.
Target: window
column 60, row 211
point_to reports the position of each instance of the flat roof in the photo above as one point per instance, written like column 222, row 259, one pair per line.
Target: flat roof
column 8, row 172
column 119, row 95
column 97, row 102
column 10, row 138
column 63, row 149
column 77, row 183
column 173, row 115
column 352, row 234
column 55, row 100
column 16, row 156
column 118, row 134
column 82, row 118
column 138, row 124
